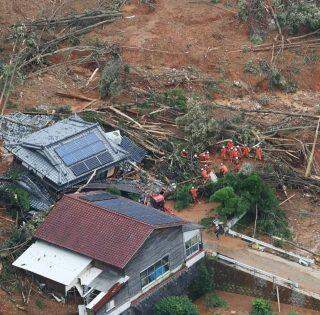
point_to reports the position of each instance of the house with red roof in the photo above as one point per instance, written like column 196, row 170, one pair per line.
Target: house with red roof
column 111, row 250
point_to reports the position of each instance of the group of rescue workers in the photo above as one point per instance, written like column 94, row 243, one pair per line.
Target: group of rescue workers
column 228, row 152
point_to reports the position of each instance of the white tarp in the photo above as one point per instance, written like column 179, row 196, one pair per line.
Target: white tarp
column 52, row 262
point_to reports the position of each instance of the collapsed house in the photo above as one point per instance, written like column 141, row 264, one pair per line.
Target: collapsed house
column 71, row 151
column 111, row 249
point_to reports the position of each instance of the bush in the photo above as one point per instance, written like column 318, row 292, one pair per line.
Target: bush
column 175, row 98
column 110, row 81
column 207, row 223
column 261, row 307
column 214, row 300
column 176, row 305
column 40, row 304
column 297, row 15
column 242, row 192
column 231, row 205
column 113, row 191
column 203, row 284
column 183, row 197
column 251, row 67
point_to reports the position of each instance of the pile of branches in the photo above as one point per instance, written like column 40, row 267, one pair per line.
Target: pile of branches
column 34, row 42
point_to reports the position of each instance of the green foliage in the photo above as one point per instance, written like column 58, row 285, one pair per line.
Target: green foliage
column 203, row 284
column 296, row 15
column 175, row 98
column 40, row 304
column 20, row 235
column 64, row 109
column 240, row 192
column 261, row 307
column 276, row 79
column 183, row 197
column 256, row 39
column 110, row 81
column 293, row 313
column 176, row 305
column 230, row 204
column 15, row 198
column 206, row 222
column 251, row 67
column 242, row 10
column 113, row 191
column 213, row 300
column 199, row 126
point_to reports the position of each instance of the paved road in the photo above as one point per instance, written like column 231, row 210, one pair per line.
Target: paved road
column 308, row 278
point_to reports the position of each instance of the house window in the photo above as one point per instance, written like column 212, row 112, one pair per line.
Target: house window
column 155, row 271
column 192, row 245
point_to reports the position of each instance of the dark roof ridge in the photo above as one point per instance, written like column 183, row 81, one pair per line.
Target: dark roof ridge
column 105, row 209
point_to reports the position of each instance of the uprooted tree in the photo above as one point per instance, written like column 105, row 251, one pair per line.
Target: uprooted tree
column 240, row 193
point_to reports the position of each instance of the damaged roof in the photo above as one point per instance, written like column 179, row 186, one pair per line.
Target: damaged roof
column 68, row 151
column 107, row 234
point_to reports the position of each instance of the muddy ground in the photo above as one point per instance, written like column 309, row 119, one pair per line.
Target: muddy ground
column 197, row 40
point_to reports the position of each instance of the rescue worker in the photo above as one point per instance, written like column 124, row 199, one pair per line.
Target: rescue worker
column 223, row 169
column 184, row 153
column 245, row 151
column 230, row 145
column 223, row 153
column 259, row 153
column 219, row 230
column 234, row 154
column 194, row 194
column 204, row 173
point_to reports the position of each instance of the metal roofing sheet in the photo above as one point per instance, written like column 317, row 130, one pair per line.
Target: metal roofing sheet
column 52, row 262
column 139, row 211
column 137, row 153
column 46, row 162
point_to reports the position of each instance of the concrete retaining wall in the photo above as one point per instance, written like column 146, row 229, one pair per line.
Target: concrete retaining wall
column 232, row 280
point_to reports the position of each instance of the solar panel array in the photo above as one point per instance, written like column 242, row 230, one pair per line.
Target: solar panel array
column 137, row 153
column 92, row 163
column 80, row 148
column 84, row 154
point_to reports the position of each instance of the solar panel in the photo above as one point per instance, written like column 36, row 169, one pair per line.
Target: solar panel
column 136, row 152
column 105, row 158
column 79, row 169
column 80, row 148
column 92, row 163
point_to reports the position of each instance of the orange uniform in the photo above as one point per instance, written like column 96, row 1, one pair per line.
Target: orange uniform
column 259, row 153
column 230, row 144
column 223, row 169
column 234, row 154
column 204, row 173
column 223, row 152
column 245, row 151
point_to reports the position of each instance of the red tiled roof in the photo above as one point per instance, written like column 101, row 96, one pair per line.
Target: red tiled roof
column 93, row 231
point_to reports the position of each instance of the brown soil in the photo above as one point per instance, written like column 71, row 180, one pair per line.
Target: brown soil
column 37, row 305
column 241, row 305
